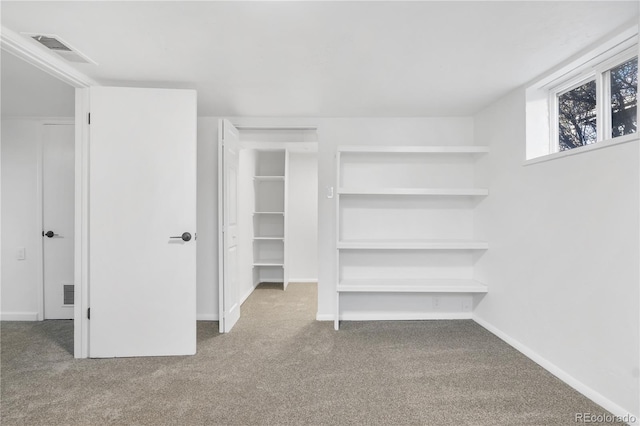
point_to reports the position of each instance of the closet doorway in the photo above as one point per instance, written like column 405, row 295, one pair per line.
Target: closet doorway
column 277, row 209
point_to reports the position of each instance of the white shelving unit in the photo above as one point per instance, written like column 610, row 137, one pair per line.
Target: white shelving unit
column 405, row 220
column 270, row 222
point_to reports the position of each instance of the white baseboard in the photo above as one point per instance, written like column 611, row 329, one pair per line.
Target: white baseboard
column 585, row 390
column 247, row 294
column 402, row 316
column 395, row 316
column 324, row 317
column 207, row 317
column 19, row 316
column 303, row 280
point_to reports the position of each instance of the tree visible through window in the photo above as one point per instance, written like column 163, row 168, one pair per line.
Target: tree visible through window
column 577, row 117
column 624, row 98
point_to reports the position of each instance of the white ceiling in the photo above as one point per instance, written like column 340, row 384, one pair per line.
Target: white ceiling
column 325, row 58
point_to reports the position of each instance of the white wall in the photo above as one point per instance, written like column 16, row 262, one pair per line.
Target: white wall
column 30, row 92
column 563, row 264
column 20, row 219
column 302, row 215
column 332, row 132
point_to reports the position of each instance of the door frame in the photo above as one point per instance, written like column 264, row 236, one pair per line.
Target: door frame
column 40, row 204
column 25, row 49
column 241, row 124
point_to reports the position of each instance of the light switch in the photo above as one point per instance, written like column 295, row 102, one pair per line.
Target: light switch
column 329, row 191
column 20, row 254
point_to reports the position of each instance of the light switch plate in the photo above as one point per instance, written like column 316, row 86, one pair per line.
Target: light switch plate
column 20, row 254
column 329, row 191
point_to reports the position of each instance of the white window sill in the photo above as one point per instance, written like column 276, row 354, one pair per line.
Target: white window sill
column 588, row 148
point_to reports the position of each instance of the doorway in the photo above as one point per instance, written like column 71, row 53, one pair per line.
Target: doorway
column 277, row 223
column 277, row 219
column 57, row 172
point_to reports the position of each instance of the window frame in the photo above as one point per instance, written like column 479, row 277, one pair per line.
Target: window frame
column 598, row 69
column 541, row 142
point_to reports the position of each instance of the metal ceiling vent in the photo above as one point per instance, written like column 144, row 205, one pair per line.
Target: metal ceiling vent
column 62, row 48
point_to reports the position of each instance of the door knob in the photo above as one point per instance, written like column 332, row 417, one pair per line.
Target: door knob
column 49, row 234
column 185, row 236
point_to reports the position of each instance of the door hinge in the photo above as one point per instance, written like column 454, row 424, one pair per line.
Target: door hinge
column 89, row 313
column 89, row 119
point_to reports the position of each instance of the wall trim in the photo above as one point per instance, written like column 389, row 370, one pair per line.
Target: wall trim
column 247, row 294
column 19, row 316
column 324, row 317
column 585, row 390
column 395, row 316
column 22, row 47
column 45, row 119
column 81, row 227
column 303, row 280
column 402, row 316
column 207, row 317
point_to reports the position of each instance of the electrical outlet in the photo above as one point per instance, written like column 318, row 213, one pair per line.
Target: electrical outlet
column 436, row 302
column 466, row 306
column 20, row 254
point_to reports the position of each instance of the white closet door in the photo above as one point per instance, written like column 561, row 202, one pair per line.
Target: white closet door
column 228, row 165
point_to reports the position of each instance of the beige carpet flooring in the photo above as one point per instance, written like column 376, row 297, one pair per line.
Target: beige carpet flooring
column 279, row 366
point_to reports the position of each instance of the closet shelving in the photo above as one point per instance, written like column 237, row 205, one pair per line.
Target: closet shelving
column 270, row 186
column 405, row 220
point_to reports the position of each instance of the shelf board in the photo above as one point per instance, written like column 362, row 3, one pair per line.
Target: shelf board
column 453, row 149
column 412, row 245
column 269, row 178
column 282, row 213
column 268, row 263
column 268, row 238
column 378, row 285
column 415, row 191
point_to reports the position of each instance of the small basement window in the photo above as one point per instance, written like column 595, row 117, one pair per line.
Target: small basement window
column 577, row 117
column 592, row 101
column 624, row 98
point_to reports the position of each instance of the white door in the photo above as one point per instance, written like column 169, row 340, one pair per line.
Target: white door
column 58, row 170
column 142, row 222
column 228, row 162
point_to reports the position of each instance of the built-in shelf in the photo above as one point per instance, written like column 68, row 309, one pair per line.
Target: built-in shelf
column 459, row 149
column 412, row 245
column 269, row 178
column 415, row 191
column 411, row 286
column 388, row 187
column 269, row 263
column 269, row 218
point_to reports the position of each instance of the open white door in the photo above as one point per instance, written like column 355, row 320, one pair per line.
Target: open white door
column 142, row 222
column 228, row 162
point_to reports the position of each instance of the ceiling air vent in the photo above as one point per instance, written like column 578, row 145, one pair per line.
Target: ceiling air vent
column 62, row 48
column 51, row 43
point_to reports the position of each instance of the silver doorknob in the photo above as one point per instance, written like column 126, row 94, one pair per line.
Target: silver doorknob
column 185, row 236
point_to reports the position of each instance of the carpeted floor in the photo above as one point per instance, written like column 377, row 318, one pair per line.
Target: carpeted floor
column 280, row 366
